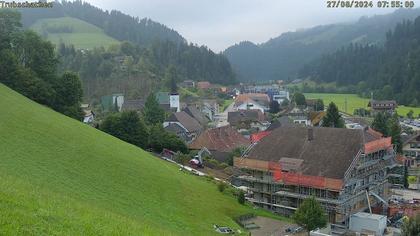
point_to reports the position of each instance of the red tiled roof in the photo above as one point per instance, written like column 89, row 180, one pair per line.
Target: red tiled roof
column 223, row 139
column 257, row 97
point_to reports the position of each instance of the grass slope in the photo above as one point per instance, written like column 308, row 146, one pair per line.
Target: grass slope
column 83, row 35
column 354, row 102
column 61, row 177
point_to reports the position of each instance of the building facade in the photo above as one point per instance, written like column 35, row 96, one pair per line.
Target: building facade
column 339, row 167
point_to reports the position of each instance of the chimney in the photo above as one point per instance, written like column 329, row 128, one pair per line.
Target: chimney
column 310, row 134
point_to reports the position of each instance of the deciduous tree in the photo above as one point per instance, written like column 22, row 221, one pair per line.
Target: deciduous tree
column 310, row 215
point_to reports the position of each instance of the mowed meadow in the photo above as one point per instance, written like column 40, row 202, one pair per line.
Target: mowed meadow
column 347, row 103
column 80, row 33
column 59, row 176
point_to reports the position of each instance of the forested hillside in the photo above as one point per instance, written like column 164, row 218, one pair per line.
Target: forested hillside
column 138, row 65
column 391, row 71
column 283, row 56
column 71, row 30
column 114, row 23
column 29, row 65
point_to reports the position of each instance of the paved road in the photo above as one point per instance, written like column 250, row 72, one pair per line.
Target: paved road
column 221, row 118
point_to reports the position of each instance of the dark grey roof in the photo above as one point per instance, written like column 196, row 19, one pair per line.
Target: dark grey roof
column 328, row 154
column 411, row 138
column 133, row 105
column 280, row 122
column 196, row 114
column 236, row 117
column 177, row 130
column 382, row 104
column 186, row 120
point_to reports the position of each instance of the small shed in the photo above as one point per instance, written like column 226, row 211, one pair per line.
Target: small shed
column 362, row 222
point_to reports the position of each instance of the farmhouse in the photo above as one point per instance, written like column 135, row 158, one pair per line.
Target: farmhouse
column 382, row 106
column 203, row 85
column 335, row 165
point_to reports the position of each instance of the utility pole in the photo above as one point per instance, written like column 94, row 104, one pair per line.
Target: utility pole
column 345, row 104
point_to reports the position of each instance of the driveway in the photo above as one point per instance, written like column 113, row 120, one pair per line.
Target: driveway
column 271, row 227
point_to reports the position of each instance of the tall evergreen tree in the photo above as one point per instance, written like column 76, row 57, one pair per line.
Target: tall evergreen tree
column 395, row 132
column 380, row 123
column 333, row 117
column 274, row 107
column 319, row 105
column 153, row 113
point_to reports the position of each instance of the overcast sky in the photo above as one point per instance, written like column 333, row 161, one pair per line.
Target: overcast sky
column 222, row 23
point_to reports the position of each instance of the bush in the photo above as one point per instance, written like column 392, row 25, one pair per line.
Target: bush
column 241, row 198
column 221, row 186
column 223, row 165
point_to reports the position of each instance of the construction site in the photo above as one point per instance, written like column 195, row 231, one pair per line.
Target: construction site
column 345, row 170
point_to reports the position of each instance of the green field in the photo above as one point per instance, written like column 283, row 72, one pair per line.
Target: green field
column 83, row 35
column 61, row 177
column 347, row 103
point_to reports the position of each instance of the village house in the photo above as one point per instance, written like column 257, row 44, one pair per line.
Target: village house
column 183, row 125
column 210, row 107
column 260, row 88
column 339, row 167
column 315, row 117
column 111, row 102
column 247, row 119
column 252, row 101
column 136, row 105
column 411, row 150
column 187, row 84
column 382, row 106
column 88, row 114
column 169, row 101
column 278, row 95
column 220, row 142
column 198, row 115
column 299, row 117
column 203, row 85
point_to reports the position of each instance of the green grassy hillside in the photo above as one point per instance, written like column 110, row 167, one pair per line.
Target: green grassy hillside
column 61, row 177
column 354, row 102
column 72, row 31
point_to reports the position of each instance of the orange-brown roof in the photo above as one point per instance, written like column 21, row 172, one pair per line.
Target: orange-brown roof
column 203, row 85
column 222, row 139
column 253, row 96
column 316, row 116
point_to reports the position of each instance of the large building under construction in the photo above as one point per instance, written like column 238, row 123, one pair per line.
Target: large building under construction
column 344, row 169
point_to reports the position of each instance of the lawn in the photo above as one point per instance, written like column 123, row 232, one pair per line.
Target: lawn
column 226, row 103
column 83, row 35
column 61, row 177
column 347, row 103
